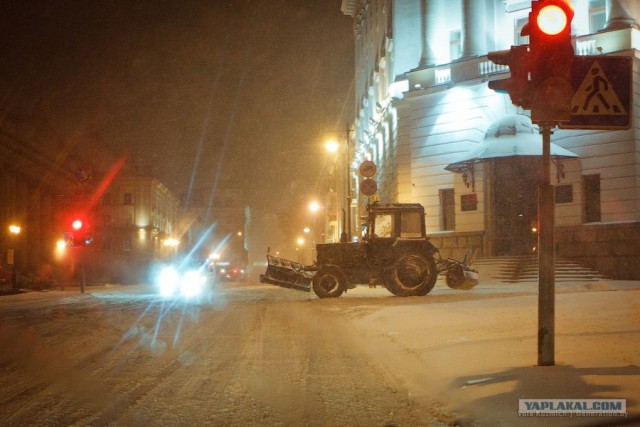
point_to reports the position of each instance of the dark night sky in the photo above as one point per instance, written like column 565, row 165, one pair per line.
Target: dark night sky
column 252, row 86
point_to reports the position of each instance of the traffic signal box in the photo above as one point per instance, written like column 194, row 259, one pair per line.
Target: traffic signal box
column 78, row 235
column 518, row 85
column 541, row 71
column 552, row 58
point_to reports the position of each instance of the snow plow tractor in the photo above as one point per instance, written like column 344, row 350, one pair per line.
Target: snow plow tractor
column 395, row 253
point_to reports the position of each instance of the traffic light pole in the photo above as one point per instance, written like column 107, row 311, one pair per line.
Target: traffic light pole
column 82, row 261
column 546, row 258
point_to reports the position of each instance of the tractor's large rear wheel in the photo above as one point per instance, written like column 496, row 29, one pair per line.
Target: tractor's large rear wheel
column 329, row 282
column 412, row 275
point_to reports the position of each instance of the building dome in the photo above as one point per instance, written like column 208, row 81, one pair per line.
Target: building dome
column 509, row 136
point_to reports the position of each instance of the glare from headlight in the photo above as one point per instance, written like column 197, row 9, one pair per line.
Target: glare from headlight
column 168, row 281
column 192, row 284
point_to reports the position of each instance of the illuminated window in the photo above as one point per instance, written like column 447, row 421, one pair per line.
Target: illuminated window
column 597, row 15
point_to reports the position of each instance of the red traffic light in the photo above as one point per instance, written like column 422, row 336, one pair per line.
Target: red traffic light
column 553, row 19
column 549, row 20
column 552, row 54
column 77, row 224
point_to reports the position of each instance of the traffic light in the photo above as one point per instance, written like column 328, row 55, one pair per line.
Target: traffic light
column 78, row 235
column 552, row 54
column 77, row 224
column 518, row 86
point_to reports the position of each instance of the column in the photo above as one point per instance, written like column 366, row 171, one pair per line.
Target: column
column 428, row 32
column 474, row 32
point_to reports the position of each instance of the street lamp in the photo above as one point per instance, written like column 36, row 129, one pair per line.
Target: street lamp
column 14, row 230
column 172, row 244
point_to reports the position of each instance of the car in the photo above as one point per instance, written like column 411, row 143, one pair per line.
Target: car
column 230, row 272
column 181, row 281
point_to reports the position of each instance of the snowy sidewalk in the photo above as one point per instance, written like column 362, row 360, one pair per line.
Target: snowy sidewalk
column 479, row 356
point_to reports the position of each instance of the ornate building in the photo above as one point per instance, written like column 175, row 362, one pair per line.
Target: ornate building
column 424, row 112
column 135, row 226
column 47, row 182
column 44, row 178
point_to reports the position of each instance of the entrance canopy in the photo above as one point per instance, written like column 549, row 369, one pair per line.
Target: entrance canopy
column 510, row 136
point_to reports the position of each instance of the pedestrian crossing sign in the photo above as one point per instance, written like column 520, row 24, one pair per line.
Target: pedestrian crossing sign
column 602, row 93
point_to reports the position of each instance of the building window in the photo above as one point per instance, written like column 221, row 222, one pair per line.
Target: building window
column 383, row 225
column 126, row 244
column 592, row 211
column 128, row 199
column 517, row 37
column 447, row 209
column 410, row 224
column 455, row 44
column 597, row 15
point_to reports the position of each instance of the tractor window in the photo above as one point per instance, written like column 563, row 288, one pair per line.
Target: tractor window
column 383, row 226
column 410, row 224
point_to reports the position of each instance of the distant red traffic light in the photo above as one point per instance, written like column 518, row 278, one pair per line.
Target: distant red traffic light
column 77, row 224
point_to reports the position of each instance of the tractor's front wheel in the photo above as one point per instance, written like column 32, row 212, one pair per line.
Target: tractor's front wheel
column 412, row 275
column 329, row 282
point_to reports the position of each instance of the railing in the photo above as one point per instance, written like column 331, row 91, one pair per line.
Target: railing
column 480, row 68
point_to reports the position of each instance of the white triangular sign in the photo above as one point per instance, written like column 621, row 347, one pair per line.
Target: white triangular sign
column 595, row 96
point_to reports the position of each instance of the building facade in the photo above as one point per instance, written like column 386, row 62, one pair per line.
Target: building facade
column 423, row 105
column 135, row 227
column 42, row 176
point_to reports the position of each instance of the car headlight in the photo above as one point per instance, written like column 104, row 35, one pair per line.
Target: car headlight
column 168, row 281
column 192, row 283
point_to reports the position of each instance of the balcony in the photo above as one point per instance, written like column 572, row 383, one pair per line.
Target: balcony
column 439, row 77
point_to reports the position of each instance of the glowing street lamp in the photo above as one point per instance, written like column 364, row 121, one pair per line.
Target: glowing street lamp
column 172, row 243
column 314, row 206
column 332, row 146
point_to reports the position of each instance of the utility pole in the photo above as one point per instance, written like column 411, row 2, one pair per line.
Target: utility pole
column 546, row 256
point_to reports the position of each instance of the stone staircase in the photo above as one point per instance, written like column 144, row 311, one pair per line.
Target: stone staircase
column 524, row 268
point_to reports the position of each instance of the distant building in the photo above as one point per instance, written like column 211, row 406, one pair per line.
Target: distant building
column 135, row 227
column 422, row 105
column 42, row 177
column 215, row 222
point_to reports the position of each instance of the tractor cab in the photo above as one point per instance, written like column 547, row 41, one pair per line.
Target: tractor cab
column 395, row 220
